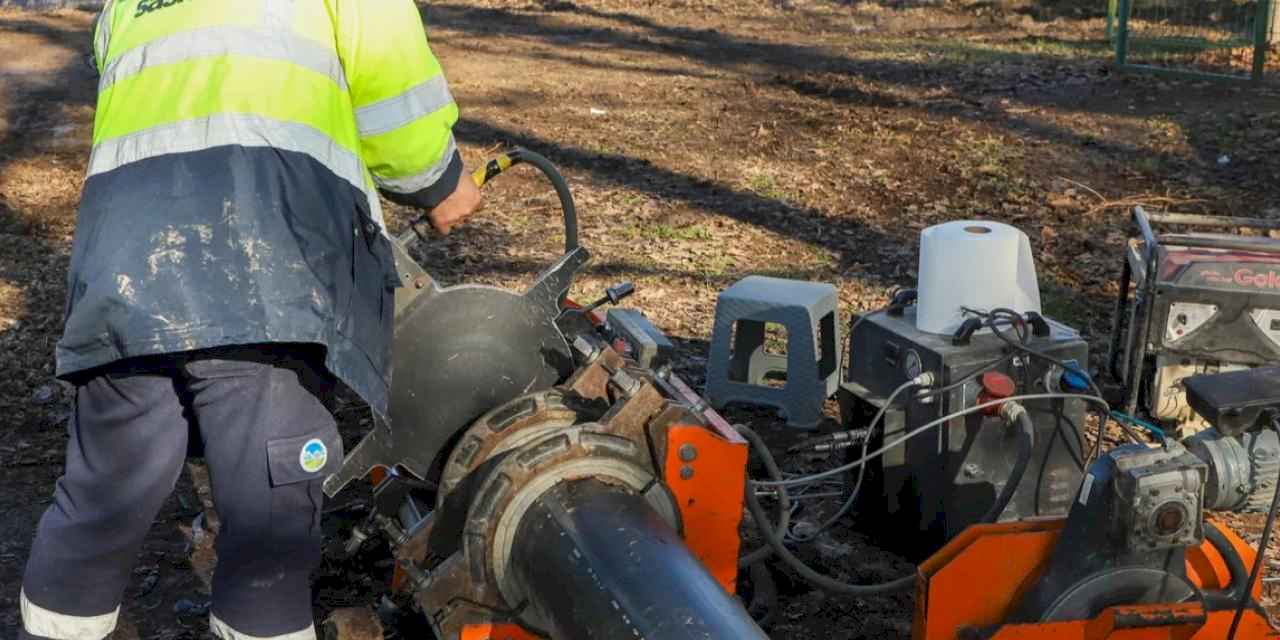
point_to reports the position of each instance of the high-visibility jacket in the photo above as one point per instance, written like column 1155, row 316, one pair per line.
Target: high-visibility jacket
column 232, row 192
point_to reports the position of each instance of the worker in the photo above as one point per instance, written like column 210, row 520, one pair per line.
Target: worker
column 230, row 265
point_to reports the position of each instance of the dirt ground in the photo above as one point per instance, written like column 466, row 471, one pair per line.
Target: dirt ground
column 704, row 141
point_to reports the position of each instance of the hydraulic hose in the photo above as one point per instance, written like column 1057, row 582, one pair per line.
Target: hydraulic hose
column 1229, row 597
column 847, row 506
column 521, row 156
column 784, row 501
column 806, row 479
column 775, row 539
column 1026, row 442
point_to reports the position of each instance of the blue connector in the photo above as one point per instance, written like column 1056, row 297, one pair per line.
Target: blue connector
column 1074, row 378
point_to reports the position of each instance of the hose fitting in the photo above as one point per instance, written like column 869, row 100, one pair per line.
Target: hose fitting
column 1011, row 411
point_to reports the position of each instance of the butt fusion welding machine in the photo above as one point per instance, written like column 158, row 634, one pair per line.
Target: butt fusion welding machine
column 550, row 476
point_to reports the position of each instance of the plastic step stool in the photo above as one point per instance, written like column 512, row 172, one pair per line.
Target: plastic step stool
column 740, row 367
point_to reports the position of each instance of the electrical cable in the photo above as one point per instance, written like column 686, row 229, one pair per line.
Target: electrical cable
column 1026, row 443
column 1147, row 426
column 1093, row 388
column 806, row 479
column 1257, row 559
column 847, row 506
column 1016, row 319
column 774, row 538
column 966, row 377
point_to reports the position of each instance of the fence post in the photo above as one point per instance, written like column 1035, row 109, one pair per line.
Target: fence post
column 1111, row 20
column 1261, row 39
column 1122, row 41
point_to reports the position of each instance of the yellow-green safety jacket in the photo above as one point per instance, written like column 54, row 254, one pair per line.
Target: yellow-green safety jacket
column 232, row 194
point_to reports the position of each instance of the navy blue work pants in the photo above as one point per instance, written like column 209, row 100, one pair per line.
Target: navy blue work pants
column 262, row 417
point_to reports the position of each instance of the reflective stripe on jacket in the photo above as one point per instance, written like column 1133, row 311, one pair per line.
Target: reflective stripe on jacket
column 231, row 195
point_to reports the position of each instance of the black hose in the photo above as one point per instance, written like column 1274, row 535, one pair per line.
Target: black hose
column 1257, row 564
column 774, row 538
column 1103, row 418
column 1228, row 597
column 567, row 207
column 826, row 583
column 1026, row 442
column 510, row 159
column 764, row 595
column 784, row 500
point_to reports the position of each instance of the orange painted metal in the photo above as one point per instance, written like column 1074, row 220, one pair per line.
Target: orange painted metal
column 495, row 632
column 1212, row 626
column 1171, row 622
column 975, row 580
column 710, row 497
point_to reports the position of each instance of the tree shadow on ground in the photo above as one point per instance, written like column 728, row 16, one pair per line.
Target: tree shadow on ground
column 809, row 224
column 970, row 79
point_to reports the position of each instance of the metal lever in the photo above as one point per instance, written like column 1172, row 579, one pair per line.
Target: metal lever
column 612, row 295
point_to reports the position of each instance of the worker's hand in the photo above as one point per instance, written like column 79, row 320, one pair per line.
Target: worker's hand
column 464, row 201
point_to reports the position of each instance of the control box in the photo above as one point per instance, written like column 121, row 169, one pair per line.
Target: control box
column 941, row 481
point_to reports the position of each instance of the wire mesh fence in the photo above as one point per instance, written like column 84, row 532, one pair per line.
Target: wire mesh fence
column 1228, row 39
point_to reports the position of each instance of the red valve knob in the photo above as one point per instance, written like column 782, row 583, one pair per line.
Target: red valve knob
column 995, row 386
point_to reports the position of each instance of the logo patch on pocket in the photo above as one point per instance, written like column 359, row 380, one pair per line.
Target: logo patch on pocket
column 313, row 456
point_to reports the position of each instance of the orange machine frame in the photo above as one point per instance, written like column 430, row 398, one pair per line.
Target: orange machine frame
column 978, row 577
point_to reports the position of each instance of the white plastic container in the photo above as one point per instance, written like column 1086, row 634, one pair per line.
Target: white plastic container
column 973, row 264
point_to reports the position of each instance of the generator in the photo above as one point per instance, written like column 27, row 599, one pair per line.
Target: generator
column 934, row 486
column 1196, row 302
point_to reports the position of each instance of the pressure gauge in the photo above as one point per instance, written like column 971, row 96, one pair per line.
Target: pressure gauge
column 912, row 366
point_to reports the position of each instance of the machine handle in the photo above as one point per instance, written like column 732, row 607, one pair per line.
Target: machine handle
column 1199, row 220
column 501, row 163
column 1149, row 240
column 1146, row 224
column 496, row 166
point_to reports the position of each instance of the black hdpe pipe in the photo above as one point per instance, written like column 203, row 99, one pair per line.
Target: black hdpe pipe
column 596, row 561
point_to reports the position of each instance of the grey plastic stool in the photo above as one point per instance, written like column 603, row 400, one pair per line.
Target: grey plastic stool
column 739, row 368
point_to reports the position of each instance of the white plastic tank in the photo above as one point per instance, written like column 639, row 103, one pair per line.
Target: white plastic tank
column 973, row 264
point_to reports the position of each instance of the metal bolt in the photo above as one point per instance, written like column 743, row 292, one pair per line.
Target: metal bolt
column 370, row 228
column 358, row 536
column 584, row 347
column 688, row 452
column 972, row 470
column 686, row 472
column 420, row 282
column 625, row 382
